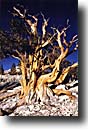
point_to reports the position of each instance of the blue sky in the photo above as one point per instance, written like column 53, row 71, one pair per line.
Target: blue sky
column 58, row 11
column 7, row 62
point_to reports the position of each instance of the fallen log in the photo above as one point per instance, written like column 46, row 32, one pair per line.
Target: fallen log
column 66, row 92
column 9, row 87
column 9, row 94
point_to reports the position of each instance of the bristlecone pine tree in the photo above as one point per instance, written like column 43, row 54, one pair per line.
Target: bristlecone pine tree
column 40, row 55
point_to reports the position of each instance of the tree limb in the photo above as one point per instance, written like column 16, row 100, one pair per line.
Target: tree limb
column 45, row 24
column 33, row 26
column 48, row 41
column 64, row 73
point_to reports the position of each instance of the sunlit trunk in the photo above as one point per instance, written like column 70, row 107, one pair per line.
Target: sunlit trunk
column 38, row 81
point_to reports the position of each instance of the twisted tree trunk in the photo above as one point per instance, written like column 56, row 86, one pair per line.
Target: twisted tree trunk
column 37, row 83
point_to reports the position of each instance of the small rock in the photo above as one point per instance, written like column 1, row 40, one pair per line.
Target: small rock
column 45, row 112
column 48, row 107
column 63, row 98
column 31, row 107
column 36, row 108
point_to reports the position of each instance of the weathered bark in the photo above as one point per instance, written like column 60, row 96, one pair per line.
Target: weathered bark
column 64, row 73
column 31, row 85
column 37, row 83
column 44, row 26
column 66, row 92
column 23, row 81
column 51, row 77
column 28, row 86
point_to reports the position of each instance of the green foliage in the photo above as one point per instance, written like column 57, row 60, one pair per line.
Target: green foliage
column 15, row 39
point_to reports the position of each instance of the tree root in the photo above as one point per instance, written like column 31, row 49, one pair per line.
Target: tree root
column 66, row 92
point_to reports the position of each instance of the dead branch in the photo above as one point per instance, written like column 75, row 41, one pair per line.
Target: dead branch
column 17, row 12
column 16, row 57
column 64, row 73
column 37, row 83
column 59, row 41
column 66, row 92
column 72, row 51
column 65, row 42
column 74, row 39
column 48, row 41
column 47, row 66
column 45, row 24
column 33, row 26
column 36, row 20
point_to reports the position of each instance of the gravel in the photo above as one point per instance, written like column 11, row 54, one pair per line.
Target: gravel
column 55, row 106
column 63, row 106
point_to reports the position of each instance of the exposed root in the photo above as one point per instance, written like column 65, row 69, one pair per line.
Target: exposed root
column 43, row 93
column 66, row 92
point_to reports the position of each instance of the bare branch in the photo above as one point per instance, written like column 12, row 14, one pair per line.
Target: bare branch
column 59, row 40
column 45, row 21
column 45, row 24
column 59, row 37
column 65, row 42
column 62, row 91
column 74, row 39
column 33, row 26
column 64, row 29
column 48, row 41
column 47, row 66
column 72, row 51
column 16, row 57
column 65, row 72
column 33, row 17
column 18, row 12
column 19, row 54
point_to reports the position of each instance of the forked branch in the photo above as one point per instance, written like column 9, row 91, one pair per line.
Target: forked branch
column 45, row 24
column 33, row 26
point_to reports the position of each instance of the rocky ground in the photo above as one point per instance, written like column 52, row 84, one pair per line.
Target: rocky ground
column 55, row 106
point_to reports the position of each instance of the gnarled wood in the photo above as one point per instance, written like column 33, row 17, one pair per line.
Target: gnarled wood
column 44, row 25
column 64, row 73
column 24, row 76
column 66, row 92
column 38, row 80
